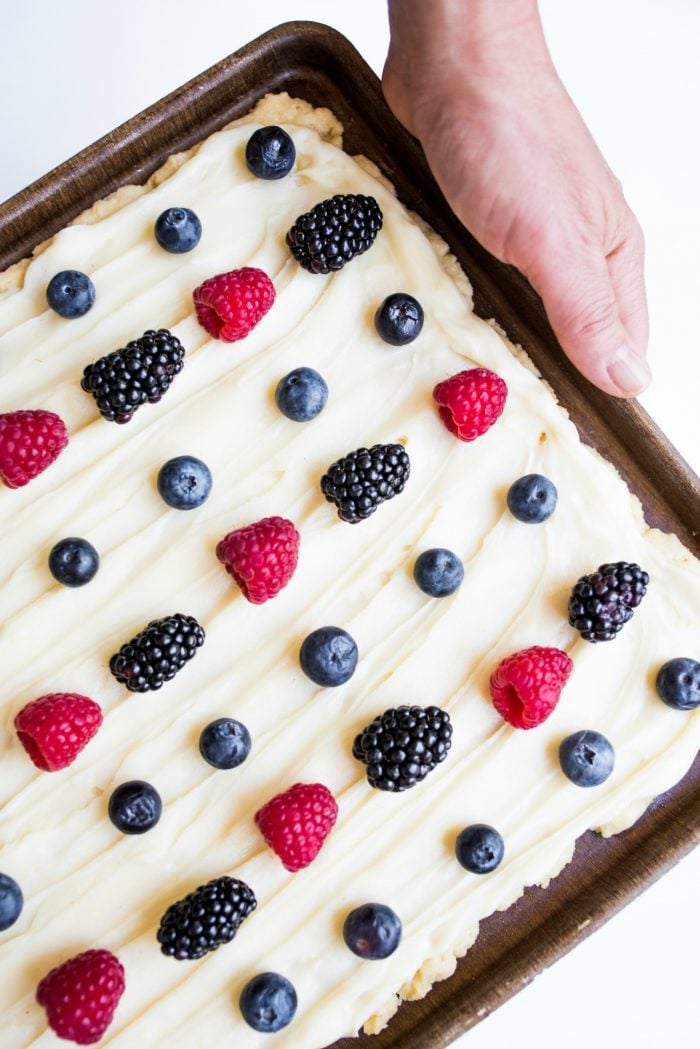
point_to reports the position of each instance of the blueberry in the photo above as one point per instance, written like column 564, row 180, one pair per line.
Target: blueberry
column 268, row 1002
column 270, row 153
column 73, row 561
column 532, row 499
column 372, row 931
column 135, row 807
column 678, row 683
column 11, row 901
column 70, row 293
column 184, row 482
column 178, row 230
column 225, row 743
column 587, row 758
column 399, row 319
column 301, row 395
column 438, row 572
column 479, row 848
column 328, row 656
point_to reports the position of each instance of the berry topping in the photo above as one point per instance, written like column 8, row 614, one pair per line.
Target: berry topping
column 127, row 378
column 438, row 572
column 328, row 656
column 261, row 557
column 479, row 848
column 135, row 807
column 155, row 655
column 301, row 395
column 268, row 1002
column 270, row 153
column 29, row 442
column 403, row 745
column 229, row 305
column 81, row 995
column 70, row 294
column 372, row 931
column 184, row 482
column 225, row 743
column 532, row 499
column 204, row 919
column 178, row 230
column 526, row 686
column 678, row 683
column 587, row 758
column 54, row 729
column 601, row 603
column 73, row 562
column 334, row 232
column 399, row 319
column 295, row 824
column 11, row 901
column 362, row 480
column 470, row 402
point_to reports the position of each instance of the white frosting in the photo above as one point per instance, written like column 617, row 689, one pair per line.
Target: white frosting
column 87, row 885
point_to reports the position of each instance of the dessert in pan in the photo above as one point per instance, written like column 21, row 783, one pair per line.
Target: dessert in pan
column 323, row 634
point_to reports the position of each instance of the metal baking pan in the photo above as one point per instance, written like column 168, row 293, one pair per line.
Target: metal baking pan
column 316, row 63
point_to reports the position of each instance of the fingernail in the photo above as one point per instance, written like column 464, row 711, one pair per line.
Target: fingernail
column 629, row 371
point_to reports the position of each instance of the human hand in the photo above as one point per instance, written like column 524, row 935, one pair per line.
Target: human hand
column 473, row 80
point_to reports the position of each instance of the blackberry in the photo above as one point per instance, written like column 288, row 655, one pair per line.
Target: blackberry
column 362, row 480
column 205, row 918
column 142, row 371
column 602, row 602
column 335, row 231
column 156, row 654
column 403, row 745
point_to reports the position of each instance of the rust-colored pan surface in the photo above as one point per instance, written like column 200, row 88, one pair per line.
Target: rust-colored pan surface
column 317, row 63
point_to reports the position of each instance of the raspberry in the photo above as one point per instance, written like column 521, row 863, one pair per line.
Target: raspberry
column 80, row 995
column 526, row 686
column 261, row 557
column 29, row 442
column 470, row 402
column 295, row 824
column 54, row 729
column 229, row 305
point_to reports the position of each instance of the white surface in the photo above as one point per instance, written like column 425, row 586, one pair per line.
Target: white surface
column 69, row 75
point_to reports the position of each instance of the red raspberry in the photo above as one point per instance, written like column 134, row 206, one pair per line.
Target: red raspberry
column 470, row 402
column 261, row 557
column 54, row 729
column 526, row 686
column 29, row 442
column 296, row 824
column 229, row 305
column 80, row 995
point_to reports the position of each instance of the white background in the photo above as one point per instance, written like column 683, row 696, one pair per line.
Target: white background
column 74, row 69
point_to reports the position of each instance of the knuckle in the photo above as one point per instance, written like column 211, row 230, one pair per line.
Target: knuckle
column 593, row 317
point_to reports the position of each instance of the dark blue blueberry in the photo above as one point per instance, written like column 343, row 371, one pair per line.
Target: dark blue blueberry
column 301, row 395
column 328, row 656
column 184, row 482
column 479, row 848
column 678, row 683
column 268, row 1002
column 70, row 293
column 587, row 758
column 532, row 499
column 372, row 931
column 399, row 319
column 135, row 807
column 178, row 230
column 438, row 572
column 225, row 743
column 73, row 561
column 270, row 153
column 11, row 901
